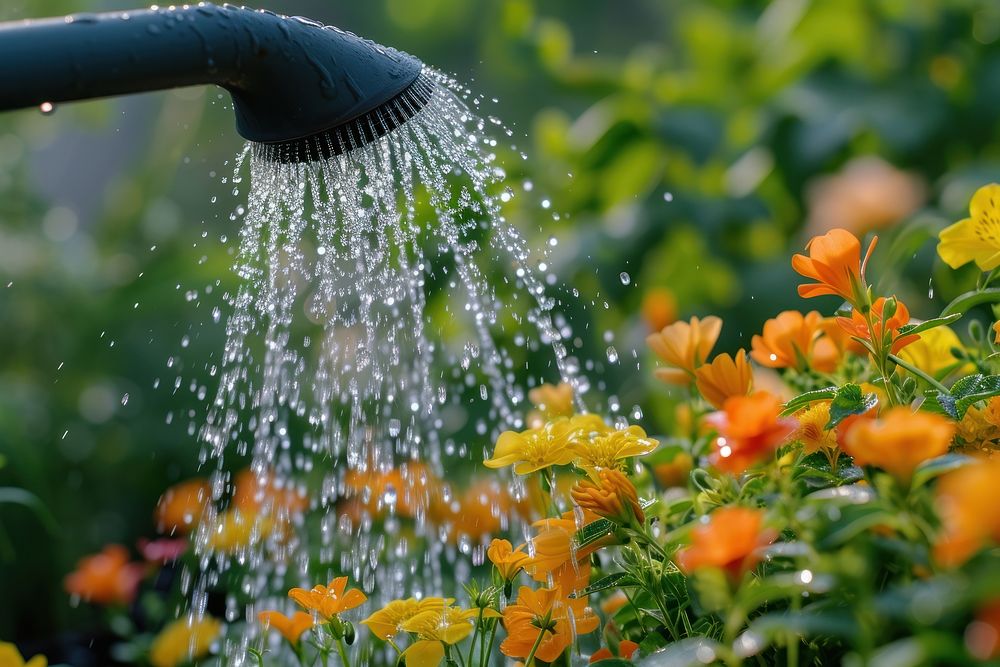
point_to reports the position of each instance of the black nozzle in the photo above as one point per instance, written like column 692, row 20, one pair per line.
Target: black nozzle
column 312, row 90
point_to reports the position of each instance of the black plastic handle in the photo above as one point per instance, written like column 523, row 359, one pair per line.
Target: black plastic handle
column 289, row 77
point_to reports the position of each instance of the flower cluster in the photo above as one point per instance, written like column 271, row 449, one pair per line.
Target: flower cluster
column 829, row 493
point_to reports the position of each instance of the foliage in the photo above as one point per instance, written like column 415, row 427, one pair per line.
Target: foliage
column 690, row 151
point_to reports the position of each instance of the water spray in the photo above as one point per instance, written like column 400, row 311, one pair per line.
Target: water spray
column 309, row 90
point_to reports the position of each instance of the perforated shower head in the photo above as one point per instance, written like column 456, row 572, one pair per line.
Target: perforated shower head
column 310, row 90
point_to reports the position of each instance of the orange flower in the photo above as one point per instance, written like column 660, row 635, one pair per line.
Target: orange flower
column 485, row 508
column 181, row 506
column 264, row 493
column 506, row 559
column 611, row 604
column 543, row 611
column 724, row 378
column 832, row 346
column 329, row 601
column 626, row 649
column 553, row 545
column 731, row 540
column 750, row 428
column 866, row 194
column 105, row 578
column 684, row 346
column 659, row 308
column 609, row 494
column 675, row 471
column 982, row 637
column 968, row 503
column 834, row 262
column 289, row 628
column 406, row 490
column 884, row 333
column 899, row 441
column 787, row 340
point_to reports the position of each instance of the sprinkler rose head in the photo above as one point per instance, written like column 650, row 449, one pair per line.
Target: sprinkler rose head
column 309, row 90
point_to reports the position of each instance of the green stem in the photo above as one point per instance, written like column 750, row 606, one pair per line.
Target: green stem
column 489, row 647
column 919, row 373
column 342, row 650
column 475, row 633
column 538, row 642
column 638, row 614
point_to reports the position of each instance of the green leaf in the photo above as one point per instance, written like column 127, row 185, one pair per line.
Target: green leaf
column 685, row 653
column 614, row 580
column 16, row 496
column 966, row 392
column 849, row 400
column 853, row 520
column 926, row 325
column 963, row 302
column 928, row 470
column 614, row 662
column 809, row 397
column 665, row 453
column 766, row 629
column 593, row 532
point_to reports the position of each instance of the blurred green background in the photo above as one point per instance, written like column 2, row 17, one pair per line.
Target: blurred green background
column 690, row 143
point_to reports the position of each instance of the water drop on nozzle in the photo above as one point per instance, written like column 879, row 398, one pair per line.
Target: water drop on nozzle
column 47, row 108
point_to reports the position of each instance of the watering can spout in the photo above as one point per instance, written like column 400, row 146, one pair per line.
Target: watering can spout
column 311, row 90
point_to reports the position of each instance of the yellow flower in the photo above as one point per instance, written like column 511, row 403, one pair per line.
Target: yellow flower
column 996, row 332
column 684, row 346
column 291, row 628
column 553, row 400
column 811, row 431
column 329, row 601
column 235, row 530
column 931, row 353
column 184, row 640
column 609, row 494
column 978, row 428
column 506, row 559
column 610, row 449
column 976, row 238
column 724, row 377
column 388, row 621
column 536, row 448
column 435, row 628
column 11, row 657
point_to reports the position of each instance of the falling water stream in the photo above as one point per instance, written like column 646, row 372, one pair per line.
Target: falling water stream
column 346, row 386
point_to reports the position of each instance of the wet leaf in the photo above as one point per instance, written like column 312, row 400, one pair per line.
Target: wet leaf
column 928, row 470
column 685, row 653
column 615, row 580
column 802, row 400
column 964, row 302
column 927, row 325
column 849, row 400
column 593, row 532
column 968, row 391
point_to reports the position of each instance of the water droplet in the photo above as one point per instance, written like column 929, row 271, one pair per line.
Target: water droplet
column 668, row 196
column 625, row 278
column 47, row 108
column 124, row 399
